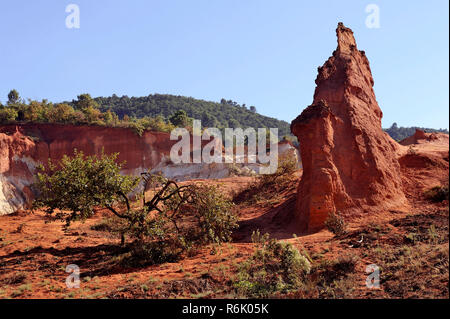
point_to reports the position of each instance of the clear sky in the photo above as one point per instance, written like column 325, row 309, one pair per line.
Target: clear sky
column 262, row 53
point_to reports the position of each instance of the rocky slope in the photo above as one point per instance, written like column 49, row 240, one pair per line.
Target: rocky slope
column 430, row 142
column 350, row 165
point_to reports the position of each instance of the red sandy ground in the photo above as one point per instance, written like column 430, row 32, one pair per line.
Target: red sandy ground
column 34, row 254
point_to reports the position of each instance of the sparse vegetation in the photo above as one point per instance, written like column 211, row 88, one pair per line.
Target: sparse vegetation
column 406, row 270
column 14, row 279
column 335, row 278
column 412, row 150
column 21, row 290
column 267, row 187
column 437, row 193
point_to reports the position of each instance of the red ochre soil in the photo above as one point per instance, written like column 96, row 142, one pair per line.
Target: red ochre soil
column 34, row 254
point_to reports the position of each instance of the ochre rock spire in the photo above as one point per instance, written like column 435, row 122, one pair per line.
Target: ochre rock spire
column 349, row 163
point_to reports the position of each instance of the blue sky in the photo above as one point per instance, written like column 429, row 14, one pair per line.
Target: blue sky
column 262, row 53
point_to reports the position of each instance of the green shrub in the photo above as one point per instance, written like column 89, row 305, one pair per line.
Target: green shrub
column 213, row 212
column 335, row 224
column 8, row 114
column 136, row 127
column 77, row 184
column 275, row 267
column 196, row 214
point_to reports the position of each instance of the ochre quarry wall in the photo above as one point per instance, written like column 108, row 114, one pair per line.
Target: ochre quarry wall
column 349, row 164
column 23, row 147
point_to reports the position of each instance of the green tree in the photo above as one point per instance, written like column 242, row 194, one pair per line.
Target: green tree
column 13, row 97
column 80, row 184
column 85, row 101
column 179, row 119
column 111, row 118
column 209, row 120
column 93, row 115
column 71, row 193
column 8, row 114
column 61, row 113
column 34, row 112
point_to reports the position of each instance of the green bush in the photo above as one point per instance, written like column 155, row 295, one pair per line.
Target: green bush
column 8, row 114
column 275, row 267
column 136, row 127
column 213, row 212
column 74, row 187
column 335, row 224
column 194, row 215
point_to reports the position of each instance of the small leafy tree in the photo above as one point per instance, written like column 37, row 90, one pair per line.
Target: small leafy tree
column 13, row 97
column 179, row 118
column 72, row 190
column 85, row 101
column 61, row 113
column 175, row 217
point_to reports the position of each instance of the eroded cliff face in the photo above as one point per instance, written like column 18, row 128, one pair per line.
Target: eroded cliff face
column 350, row 165
column 24, row 147
column 16, row 166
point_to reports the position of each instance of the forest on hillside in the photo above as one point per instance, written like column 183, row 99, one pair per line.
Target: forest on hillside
column 400, row 133
column 226, row 113
column 157, row 112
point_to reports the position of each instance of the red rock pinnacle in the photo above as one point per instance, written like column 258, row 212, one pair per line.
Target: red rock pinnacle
column 349, row 163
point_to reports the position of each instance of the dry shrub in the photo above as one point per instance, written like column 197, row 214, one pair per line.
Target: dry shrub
column 437, row 194
column 336, row 224
column 267, row 186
